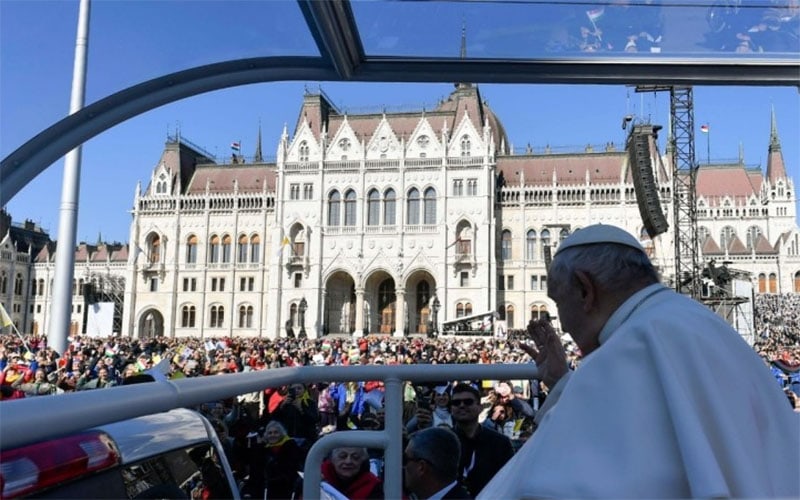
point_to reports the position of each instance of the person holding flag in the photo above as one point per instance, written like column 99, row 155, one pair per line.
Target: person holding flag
column 5, row 320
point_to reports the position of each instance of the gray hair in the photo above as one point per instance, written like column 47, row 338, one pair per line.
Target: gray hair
column 440, row 447
column 276, row 425
column 613, row 266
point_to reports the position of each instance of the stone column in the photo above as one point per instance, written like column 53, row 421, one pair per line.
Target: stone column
column 400, row 313
column 359, row 313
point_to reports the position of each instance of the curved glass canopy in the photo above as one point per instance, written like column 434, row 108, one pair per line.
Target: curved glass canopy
column 217, row 44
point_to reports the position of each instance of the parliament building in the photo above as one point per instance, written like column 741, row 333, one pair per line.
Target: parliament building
column 390, row 223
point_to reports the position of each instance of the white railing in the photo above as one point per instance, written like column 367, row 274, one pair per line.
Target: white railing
column 32, row 420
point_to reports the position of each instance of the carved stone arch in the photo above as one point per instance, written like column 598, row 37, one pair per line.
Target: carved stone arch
column 339, row 308
column 420, row 287
column 380, row 301
column 150, row 324
column 298, row 239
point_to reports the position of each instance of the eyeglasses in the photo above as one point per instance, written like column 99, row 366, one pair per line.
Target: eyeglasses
column 407, row 460
column 462, row 402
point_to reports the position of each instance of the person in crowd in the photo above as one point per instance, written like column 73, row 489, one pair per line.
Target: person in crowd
column 102, row 381
column 298, row 414
column 347, row 473
column 435, row 414
column 282, row 460
column 41, row 385
column 483, row 451
column 430, row 465
column 669, row 401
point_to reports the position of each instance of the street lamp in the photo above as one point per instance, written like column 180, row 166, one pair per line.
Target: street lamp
column 436, row 305
column 303, row 308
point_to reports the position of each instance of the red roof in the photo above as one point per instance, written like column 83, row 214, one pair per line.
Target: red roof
column 221, row 179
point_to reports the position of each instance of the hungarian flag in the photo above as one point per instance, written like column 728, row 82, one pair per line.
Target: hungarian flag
column 595, row 14
column 235, row 146
column 704, row 129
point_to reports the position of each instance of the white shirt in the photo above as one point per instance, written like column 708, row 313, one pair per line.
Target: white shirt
column 673, row 404
column 439, row 494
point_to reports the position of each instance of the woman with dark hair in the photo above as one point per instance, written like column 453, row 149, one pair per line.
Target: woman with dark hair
column 347, row 471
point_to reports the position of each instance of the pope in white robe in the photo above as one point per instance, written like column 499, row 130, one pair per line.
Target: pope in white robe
column 670, row 402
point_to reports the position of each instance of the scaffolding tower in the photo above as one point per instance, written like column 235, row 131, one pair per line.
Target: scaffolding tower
column 684, row 181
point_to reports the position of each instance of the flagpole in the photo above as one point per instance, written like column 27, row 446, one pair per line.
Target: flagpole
column 708, row 145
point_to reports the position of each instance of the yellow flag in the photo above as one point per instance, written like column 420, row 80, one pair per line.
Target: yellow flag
column 4, row 319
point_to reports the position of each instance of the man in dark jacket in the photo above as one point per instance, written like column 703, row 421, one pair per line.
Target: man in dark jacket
column 483, row 451
column 430, row 464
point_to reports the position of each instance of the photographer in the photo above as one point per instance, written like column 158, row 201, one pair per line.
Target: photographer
column 298, row 414
column 433, row 408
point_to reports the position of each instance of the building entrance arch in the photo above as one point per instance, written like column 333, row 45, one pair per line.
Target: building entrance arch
column 340, row 304
column 151, row 324
column 420, row 289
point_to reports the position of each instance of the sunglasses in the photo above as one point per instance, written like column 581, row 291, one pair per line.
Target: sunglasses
column 462, row 402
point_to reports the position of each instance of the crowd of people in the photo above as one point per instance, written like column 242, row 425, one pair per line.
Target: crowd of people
column 459, row 435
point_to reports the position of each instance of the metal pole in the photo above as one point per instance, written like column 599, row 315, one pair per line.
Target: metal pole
column 70, row 194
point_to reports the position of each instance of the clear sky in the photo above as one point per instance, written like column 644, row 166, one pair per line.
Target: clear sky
column 128, row 45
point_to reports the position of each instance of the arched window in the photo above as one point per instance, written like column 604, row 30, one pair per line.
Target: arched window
column 41, row 288
column 505, row 249
column 762, row 283
column 563, row 235
column 217, row 316
column 773, row 283
column 429, row 206
column 753, row 232
column 530, row 245
column 3, row 282
column 187, row 316
column 74, row 287
column 245, row 316
column 334, row 208
column 33, row 288
column 18, row 284
column 465, row 146
column 303, row 151
column 299, row 244
column 459, row 310
column 413, row 207
column 468, row 309
column 226, row 248
column 255, row 248
column 241, row 250
column 350, row 208
column 509, row 316
column 191, row 249
column 293, row 316
column 797, row 282
column 154, row 248
column 213, row 249
column 702, row 234
column 726, row 237
column 545, row 237
column 373, row 208
column 389, row 203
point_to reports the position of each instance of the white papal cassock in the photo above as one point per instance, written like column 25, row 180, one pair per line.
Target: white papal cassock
column 672, row 404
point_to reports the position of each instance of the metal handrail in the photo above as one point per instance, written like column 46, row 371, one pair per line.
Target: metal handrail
column 31, row 420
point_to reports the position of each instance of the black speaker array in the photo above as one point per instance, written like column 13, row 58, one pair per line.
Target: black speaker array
column 644, row 182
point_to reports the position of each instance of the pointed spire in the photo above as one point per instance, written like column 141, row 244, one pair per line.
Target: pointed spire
column 463, row 53
column 774, row 140
column 670, row 138
column 258, row 157
column 741, row 153
column 776, row 169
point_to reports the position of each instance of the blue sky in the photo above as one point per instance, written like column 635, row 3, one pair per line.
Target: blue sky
column 128, row 45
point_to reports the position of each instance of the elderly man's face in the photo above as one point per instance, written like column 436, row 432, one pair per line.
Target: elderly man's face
column 570, row 296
